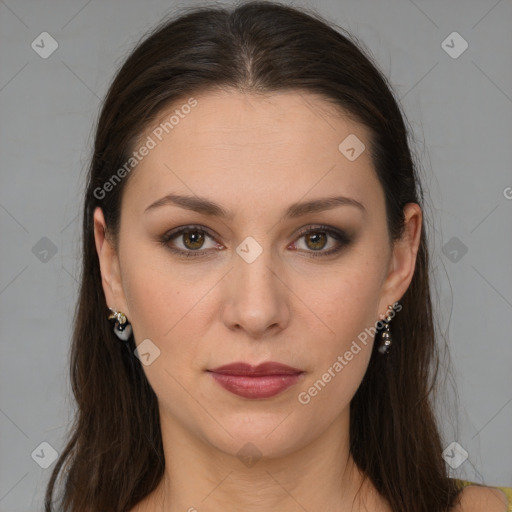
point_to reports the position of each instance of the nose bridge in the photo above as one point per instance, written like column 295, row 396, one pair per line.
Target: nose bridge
column 254, row 270
column 257, row 295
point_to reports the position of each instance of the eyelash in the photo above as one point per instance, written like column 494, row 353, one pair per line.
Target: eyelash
column 340, row 236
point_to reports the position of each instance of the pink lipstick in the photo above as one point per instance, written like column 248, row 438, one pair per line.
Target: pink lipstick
column 262, row 381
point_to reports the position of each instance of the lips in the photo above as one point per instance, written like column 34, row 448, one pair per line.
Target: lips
column 262, row 381
column 269, row 368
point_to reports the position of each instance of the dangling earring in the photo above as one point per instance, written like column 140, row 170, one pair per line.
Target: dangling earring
column 122, row 328
column 386, row 334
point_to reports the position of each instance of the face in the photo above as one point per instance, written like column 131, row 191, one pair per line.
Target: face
column 241, row 272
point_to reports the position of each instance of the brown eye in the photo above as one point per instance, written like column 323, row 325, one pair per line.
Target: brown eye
column 193, row 239
column 316, row 240
column 189, row 241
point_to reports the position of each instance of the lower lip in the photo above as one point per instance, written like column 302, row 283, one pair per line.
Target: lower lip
column 263, row 386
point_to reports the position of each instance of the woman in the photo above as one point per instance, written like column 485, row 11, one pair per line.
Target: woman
column 253, row 232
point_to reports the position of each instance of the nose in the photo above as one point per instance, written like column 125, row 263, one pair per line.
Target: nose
column 257, row 298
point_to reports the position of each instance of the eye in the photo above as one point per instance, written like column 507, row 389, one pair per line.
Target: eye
column 192, row 240
column 316, row 239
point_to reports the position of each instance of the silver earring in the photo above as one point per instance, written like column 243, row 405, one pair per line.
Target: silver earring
column 386, row 334
column 122, row 328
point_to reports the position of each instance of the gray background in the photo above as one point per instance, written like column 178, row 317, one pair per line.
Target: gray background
column 460, row 110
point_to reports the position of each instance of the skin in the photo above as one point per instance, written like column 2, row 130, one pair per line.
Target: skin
column 255, row 155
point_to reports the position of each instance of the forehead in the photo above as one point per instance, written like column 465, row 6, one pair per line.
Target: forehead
column 250, row 144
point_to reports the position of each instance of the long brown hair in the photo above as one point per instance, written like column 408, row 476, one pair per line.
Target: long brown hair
column 114, row 455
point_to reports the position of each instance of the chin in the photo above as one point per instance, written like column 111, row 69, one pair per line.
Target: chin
column 259, row 435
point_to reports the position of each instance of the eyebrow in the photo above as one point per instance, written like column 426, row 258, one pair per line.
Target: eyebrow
column 208, row 207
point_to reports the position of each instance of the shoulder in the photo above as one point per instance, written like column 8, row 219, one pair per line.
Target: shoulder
column 479, row 498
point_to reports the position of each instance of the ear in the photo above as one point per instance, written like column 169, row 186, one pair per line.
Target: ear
column 109, row 265
column 403, row 258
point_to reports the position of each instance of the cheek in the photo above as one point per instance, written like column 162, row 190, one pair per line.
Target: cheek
column 166, row 306
column 347, row 307
column 156, row 301
column 347, row 302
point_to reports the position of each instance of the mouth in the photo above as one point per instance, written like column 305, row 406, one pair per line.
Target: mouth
column 255, row 382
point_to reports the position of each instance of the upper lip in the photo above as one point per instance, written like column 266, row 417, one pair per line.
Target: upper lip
column 269, row 368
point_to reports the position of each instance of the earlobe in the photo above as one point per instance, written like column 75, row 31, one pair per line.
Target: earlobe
column 109, row 263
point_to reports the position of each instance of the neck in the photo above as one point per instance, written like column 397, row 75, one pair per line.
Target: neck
column 318, row 476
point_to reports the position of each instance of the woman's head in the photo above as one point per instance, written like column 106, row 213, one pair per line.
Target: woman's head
column 264, row 111
column 250, row 285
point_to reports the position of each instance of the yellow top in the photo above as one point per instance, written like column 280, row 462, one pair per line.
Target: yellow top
column 506, row 490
